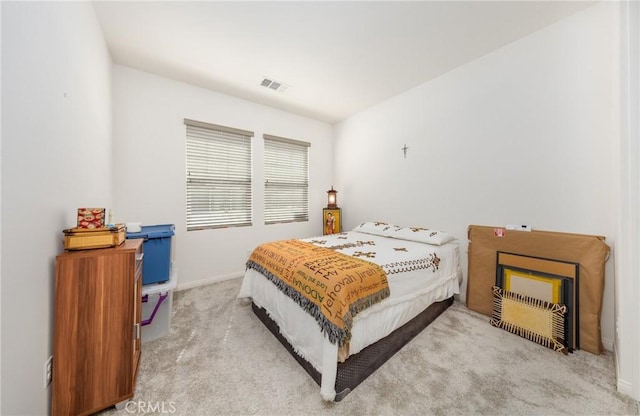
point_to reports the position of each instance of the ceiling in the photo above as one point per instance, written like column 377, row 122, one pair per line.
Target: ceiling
column 335, row 58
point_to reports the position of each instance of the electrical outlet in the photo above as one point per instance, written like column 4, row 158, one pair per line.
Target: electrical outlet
column 48, row 371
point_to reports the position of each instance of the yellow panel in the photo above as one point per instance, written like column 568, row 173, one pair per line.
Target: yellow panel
column 536, row 320
column 535, row 286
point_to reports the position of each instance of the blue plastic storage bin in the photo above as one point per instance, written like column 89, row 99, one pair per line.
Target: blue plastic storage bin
column 157, row 252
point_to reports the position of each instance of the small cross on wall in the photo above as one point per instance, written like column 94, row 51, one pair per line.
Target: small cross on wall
column 404, row 150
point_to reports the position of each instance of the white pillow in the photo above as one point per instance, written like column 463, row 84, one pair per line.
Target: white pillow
column 375, row 228
column 421, row 235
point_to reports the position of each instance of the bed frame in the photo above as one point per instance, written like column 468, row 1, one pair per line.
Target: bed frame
column 359, row 366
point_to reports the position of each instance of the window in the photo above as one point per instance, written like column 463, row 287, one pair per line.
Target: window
column 218, row 176
column 286, row 180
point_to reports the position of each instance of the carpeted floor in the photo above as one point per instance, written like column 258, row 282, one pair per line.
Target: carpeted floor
column 220, row 360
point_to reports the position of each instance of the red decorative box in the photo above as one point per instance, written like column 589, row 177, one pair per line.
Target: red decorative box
column 91, row 217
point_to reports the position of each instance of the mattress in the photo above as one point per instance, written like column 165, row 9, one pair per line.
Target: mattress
column 418, row 274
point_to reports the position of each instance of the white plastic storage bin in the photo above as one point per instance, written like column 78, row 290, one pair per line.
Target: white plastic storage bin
column 158, row 307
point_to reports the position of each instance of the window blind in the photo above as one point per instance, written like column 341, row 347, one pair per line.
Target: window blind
column 218, row 176
column 286, row 184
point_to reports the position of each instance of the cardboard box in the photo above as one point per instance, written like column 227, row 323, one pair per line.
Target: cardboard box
column 589, row 251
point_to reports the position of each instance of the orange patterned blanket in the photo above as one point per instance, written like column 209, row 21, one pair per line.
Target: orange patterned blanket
column 331, row 286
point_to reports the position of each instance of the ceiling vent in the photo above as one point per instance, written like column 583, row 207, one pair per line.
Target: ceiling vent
column 273, row 85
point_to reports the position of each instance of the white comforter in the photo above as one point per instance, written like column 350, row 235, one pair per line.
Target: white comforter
column 419, row 274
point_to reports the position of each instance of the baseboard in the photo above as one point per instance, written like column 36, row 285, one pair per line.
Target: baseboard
column 208, row 281
column 625, row 387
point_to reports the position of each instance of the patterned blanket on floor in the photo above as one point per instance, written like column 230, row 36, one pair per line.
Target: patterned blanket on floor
column 331, row 286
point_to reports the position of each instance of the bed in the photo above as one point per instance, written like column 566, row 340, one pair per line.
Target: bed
column 422, row 270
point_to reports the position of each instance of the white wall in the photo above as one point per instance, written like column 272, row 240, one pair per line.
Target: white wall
column 56, row 157
column 149, row 137
column 0, row 219
column 627, row 260
column 523, row 135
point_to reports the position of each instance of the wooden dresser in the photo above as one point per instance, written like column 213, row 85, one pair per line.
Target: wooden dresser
column 96, row 348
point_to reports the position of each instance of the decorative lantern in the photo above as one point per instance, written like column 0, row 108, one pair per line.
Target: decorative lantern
column 332, row 198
